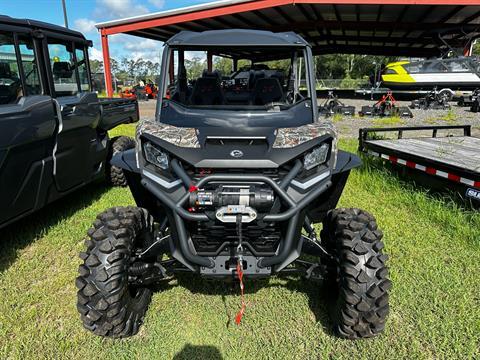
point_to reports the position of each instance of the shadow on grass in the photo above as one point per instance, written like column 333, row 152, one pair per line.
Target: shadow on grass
column 23, row 232
column 190, row 351
column 320, row 299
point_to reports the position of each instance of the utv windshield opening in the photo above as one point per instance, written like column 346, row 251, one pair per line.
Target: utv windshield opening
column 245, row 78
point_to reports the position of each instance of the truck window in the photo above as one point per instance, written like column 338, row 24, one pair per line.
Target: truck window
column 10, row 83
column 63, row 69
column 82, row 69
column 30, row 67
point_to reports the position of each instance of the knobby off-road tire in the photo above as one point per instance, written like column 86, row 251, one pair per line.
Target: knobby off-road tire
column 359, row 277
column 115, row 175
column 108, row 305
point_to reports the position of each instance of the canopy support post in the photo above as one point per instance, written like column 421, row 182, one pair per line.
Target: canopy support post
column 106, row 64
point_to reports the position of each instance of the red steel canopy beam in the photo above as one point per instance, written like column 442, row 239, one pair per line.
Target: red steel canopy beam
column 106, row 64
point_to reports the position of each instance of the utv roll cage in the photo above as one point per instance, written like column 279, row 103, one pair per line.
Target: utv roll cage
column 263, row 46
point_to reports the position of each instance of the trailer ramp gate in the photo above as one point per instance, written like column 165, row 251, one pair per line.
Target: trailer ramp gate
column 454, row 158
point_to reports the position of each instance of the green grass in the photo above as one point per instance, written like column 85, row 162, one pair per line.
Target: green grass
column 450, row 117
column 434, row 264
column 388, row 121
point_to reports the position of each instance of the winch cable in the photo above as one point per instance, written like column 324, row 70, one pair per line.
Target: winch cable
column 238, row 317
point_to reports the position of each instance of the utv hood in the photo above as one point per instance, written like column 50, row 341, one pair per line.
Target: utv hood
column 261, row 147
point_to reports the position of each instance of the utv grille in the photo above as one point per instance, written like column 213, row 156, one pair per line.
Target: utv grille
column 209, row 240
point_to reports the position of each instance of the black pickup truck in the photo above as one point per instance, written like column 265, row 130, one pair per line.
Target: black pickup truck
column 53, row 127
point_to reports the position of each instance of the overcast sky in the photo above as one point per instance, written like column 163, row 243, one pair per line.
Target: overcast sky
column 83, row 14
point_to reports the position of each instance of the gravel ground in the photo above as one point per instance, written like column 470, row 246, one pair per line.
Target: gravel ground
column 348, row 126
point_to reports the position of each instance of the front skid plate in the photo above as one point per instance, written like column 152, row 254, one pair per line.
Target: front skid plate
column 224, row 266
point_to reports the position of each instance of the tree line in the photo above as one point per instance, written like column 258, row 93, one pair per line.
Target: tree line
column 126, row 69
column 332, row 66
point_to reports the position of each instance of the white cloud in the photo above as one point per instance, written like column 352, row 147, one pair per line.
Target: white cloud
column 95, row 54
column 119, row 9
column 143, row 45
column 157, row 3
column 84, row 25
column 147, row 49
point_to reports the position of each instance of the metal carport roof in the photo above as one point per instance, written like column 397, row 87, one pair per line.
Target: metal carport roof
column 378, row 27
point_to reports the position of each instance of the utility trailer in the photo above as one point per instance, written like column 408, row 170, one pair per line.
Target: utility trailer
column 452, row 159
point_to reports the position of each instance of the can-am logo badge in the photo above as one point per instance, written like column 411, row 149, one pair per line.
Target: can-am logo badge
column 236, row 153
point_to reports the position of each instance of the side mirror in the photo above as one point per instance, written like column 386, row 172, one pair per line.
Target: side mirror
column 62, row 69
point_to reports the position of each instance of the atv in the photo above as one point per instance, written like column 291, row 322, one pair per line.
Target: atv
column 230, row 185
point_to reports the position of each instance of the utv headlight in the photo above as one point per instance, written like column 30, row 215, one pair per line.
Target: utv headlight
column 316, row 157
column 155, row 156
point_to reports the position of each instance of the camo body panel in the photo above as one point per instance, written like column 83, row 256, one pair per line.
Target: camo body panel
column 291, row 137
column 179, row 136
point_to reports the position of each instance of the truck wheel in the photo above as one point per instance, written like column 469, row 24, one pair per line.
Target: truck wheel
column 114, row 174
column 358, row 275
column 109, row 305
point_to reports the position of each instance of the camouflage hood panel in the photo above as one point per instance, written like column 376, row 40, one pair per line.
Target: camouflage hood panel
column 285, row 137
column 291, row 137
column 179, row 136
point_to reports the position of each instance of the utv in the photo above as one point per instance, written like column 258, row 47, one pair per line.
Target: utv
column 229, row 180
column 53, row 127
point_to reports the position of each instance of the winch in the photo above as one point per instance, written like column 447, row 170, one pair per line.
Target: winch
column 231, row 200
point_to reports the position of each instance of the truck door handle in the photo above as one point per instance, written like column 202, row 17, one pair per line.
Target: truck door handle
column 68, row 109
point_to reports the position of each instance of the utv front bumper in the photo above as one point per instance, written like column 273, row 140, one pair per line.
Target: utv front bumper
column 293, row 215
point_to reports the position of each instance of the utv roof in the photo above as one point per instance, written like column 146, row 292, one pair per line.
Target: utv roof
column 39, row 25
column 236, row 37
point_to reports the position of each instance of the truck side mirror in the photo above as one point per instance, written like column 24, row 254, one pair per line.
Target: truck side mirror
column 62, row 69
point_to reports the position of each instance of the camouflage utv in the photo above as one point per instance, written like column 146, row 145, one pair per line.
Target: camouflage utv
column 231, row 179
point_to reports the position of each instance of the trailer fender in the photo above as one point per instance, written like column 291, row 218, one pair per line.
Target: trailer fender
column 346, row 161
column 126, row 160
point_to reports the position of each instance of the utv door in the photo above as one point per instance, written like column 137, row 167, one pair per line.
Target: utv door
column 27, row 126
column 76, row 159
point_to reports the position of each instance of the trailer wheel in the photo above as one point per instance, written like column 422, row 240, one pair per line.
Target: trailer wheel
column 109, row 305
column 358, row 275
column 446, row 94
column 115, row 175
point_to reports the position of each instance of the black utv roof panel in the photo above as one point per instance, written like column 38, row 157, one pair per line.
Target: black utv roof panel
column 236, row 37
column 40, row 25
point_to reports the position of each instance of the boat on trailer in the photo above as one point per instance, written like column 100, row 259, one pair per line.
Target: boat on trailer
column 455, row 74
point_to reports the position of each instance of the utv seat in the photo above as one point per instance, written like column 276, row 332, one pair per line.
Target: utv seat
column 8, row 93
column 266, row 91
column 207, row 91
column 181, row 93
column 254, row 77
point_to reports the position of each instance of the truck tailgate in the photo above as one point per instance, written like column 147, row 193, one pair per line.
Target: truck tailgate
column 118, row 111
